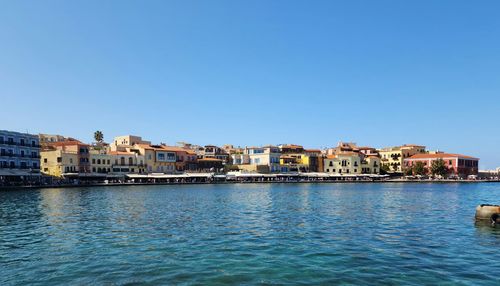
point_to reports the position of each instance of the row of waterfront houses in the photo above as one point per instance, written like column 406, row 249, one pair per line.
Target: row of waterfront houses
column 26, row 156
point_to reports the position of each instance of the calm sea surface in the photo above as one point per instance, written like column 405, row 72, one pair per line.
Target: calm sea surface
column 377, row 234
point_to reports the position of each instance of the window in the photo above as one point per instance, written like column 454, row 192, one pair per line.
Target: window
column 98, row 161
column 59, row 160
column 93, row 161
column 45, row 160
column 331, row 164
column 71, row 160
column 35, row 165
column 21, row 142
column 327, row 170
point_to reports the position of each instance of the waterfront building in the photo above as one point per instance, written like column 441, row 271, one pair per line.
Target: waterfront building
column 393, row 157
column 370, row 164
column 167, row 159
column 265, row 159
column 126, row 162
column 214, row 152
column 292, row 158
column 101, row 162
column 59, row 162
column 458, row 165
column 66, row 157
column 186, row 159
column 19, row 156
column 240, row 159
column 490, row 174
column 344, row 163
column 315, row 159
column 210, row 164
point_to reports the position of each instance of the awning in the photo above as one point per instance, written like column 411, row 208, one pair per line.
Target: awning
column 17, row 173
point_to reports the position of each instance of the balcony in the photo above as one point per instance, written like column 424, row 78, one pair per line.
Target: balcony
column 18, row 156
column 128, row 165
column 19, row 144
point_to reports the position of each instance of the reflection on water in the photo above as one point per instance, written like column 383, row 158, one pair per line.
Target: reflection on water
column 249, row 234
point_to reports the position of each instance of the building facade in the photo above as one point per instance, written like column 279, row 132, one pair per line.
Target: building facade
column 19, row 155
column 67, row 157
column 346, row 163
column 393, row 157
column 458, row 165
column 268, row 156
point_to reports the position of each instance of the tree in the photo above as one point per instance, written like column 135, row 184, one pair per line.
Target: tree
column 384, row 169
column 438, row 168
column 98, row 136
column 419, row 168
column 408, row 171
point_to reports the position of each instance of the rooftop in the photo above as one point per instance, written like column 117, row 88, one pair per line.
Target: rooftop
column 441, row 155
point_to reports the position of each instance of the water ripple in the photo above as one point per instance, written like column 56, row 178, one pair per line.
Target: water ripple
column 377, row 234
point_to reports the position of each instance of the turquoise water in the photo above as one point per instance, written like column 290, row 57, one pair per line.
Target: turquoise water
column 377, row 234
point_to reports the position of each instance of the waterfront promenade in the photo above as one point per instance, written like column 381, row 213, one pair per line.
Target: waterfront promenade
column 255, row 179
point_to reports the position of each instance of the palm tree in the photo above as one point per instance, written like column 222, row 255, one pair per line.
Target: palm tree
column 98, row 136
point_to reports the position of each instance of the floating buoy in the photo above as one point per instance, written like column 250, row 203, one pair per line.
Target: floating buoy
column 489, row 213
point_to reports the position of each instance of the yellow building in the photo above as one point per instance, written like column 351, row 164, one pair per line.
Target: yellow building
column 66, row 157
column 370, row 165
column 58, row 162
column 347, row 163
column 393, row 157
column 124, row 162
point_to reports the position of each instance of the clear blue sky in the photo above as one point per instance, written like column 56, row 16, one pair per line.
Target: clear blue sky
column 379, row 73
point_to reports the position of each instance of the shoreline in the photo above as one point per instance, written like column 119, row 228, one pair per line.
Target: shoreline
column 6, row 188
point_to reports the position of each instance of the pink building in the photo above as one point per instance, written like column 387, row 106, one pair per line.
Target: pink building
column 459, row 165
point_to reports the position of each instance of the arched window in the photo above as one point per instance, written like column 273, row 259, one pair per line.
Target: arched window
column 130, row 161
column 122, row 161
column 98, row 161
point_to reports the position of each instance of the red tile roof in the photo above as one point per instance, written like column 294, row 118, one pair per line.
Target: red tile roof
column 441, row 155
column 120, row 153
column 312, row 150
